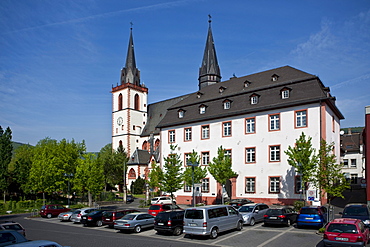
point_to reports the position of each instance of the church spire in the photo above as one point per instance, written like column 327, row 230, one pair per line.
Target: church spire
column 130, row 74
column 209, row 72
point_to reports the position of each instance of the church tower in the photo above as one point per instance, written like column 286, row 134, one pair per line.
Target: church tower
column 209, row 72
column 129, row 109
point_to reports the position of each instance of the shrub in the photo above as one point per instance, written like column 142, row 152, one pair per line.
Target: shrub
column 298, row 205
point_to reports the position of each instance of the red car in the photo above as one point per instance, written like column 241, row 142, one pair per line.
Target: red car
column 52, row 210
column 154, row 209
column 346, row 232
column 110, row 216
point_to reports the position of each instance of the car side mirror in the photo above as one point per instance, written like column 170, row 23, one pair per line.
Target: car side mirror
column 256, row 211
column 340, row 213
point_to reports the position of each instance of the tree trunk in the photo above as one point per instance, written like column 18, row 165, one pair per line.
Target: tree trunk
column 89, row 196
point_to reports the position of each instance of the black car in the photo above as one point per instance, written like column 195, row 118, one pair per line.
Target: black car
column 94, row 218
column 357, row 211
column 236, row 203
column 129, row 198
column 169, row 222
column 280, row 216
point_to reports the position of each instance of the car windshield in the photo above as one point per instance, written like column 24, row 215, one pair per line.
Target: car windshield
column 246, row 209
column 95, row 212
column 275, row 211
column 107, row 214
column 128, row 217
column 154, row 207
column 342, row 228
column 356, row 211
column 194, row 214
column 162, row 216
column 309, row 211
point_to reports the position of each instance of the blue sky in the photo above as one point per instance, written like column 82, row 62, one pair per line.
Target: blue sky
column 59, row 59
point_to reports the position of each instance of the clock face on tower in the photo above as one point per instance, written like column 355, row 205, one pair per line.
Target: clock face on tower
column 120, row 121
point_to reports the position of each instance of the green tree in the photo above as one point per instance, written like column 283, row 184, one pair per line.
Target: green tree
column 89, row 176
column 302, row 157
column 172, row 175
column 6, row 149
column 155, row 176
column 329, row 177
column 138, row 186
column 199, row 172
column 21, row 166
column 220, row 169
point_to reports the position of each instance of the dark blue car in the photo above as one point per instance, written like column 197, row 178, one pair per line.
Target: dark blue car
column 313, row 216
column 357, row 211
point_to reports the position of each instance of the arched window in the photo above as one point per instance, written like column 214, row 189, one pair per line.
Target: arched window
column 137, row 102
column 120, row 102
column 145, row 146
column 120, row 143
column 132, row 174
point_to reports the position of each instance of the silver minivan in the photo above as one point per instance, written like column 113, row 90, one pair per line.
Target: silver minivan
column 211, row 220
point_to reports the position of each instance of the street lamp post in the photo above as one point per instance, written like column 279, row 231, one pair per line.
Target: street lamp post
column 192, row 178
column 68, row 175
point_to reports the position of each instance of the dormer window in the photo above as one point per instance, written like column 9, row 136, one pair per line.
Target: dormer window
column 274, row 77
column 227, row 104
column 202, row 109
column 247, row 83
column 181, row 113
column 199, row 94
column 254, row 99
column 221, row 89
column 285, row 92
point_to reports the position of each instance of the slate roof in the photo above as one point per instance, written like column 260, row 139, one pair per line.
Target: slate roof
column 139, row 157
column 304, row 88
column 350, row 143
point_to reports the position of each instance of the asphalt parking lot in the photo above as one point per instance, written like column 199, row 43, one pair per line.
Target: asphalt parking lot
column 256, row 235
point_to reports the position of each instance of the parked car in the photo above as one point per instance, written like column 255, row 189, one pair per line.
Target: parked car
column 66, row 216
column 110, row 216
column 169, row 222
column 37, row 243
column 346, row 232
column 314, row 216
column 12, row 225
column 154, row 209
column 52, row 210
column 211, row 220
column 95, row 218
column 253, row 212
column 76, row 216
column 357, row 211
column 236, row 203
column 162, row 200
column 129, row 198
column 8, row 237
column 280, row 216
column 135, row 222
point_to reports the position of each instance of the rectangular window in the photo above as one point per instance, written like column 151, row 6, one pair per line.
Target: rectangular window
column 353, row 178
column 353, row 163
column 187, row 188
column 345, row 163
column 250, row 155
column 181, row 114
column 274, row 185
column 171, row 136
column 187, row 134
column 226, row 129
column 202, row 110
column 250, row 185
column 254, row 100
column 274, row 153
column 297, row 185
column 205, row 158
column 285, row 94
column 205, row 185
column 227, row 105
column 205, row 132
column 250, row 125
column 301, row 119
column 274, row 122
column 187, row 157
column 228, row 153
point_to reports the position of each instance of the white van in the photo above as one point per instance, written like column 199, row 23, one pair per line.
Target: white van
column 211, row 220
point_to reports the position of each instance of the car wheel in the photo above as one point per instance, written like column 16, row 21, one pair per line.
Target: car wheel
column 252, row 222
column 48, row 216
column 289, row 222
column 177, row 231
column 239, row 226
column 137, row 229
column 99, row 223
column 214, row 233
column 85, row 225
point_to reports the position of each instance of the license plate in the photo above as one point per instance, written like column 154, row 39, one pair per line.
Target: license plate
column 192, row 224
column 309, row 218
column 273, row 218
column 341, row 239
column 160, row 224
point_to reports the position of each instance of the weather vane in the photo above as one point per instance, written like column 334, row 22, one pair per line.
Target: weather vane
column 209, row 18
column 131, row 24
